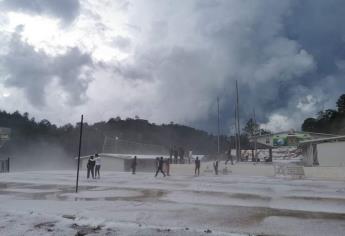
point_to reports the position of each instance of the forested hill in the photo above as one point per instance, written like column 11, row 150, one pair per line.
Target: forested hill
column 31, row 136
column 328, row 121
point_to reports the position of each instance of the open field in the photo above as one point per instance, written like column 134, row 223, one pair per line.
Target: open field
column 44, row 203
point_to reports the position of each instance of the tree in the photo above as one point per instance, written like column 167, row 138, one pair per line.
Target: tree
column 328, row 121
column 251, row 127
column 341, row 104
column 309, row 124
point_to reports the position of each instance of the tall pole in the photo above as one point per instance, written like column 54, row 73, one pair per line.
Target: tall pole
column 218, row 125
column 255, row 133
column 80, row 139
column 238, row 123
column 235, row 134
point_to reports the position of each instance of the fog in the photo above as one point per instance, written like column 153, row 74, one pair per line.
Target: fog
column 40, row 156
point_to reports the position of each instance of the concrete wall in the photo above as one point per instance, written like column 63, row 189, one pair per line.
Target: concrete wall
column 143, row 165
column 329, row 173
column 107, row 164
column 246, row 169
column 331, row 154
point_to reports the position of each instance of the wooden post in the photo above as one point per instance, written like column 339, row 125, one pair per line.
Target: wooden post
column 80, row 139
column 270, row 155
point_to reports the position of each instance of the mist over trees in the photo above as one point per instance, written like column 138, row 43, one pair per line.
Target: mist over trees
column 41, row 141
column 329, row 120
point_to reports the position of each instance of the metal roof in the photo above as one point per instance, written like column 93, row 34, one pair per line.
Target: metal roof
column 299, row 132
column 323, row 140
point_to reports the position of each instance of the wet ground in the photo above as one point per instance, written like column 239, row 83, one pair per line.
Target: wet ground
column 123, row 204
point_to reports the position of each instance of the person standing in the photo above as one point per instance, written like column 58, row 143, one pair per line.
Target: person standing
column 190, row 156
column 197, row 166
column 160, row 167
column 175, row 155
column 90, row 167
column 215, row 166
column 98, row 166
column 171, row 152
column 181, row 154
column 134, row 165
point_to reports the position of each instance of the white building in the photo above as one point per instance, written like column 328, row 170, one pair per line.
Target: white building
column 327, row 152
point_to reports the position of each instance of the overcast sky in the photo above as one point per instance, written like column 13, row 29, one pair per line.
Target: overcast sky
column 169, row 60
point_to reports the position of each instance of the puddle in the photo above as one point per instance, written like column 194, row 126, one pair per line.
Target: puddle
column 86, row 193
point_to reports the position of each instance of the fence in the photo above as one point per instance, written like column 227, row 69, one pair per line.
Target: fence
column 5, row 165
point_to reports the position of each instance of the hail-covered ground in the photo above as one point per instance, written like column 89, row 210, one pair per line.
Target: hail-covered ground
column 45, row 203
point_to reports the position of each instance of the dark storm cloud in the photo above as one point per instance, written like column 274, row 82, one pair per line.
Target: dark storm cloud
column 285, row 55
column 32, row 71
column 66, row 10
column 288, row 57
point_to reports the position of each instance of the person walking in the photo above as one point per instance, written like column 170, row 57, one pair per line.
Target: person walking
column 215, row 166
column 229, row 157
column 90, row 167
column 134, row 165
column 156, row 163
column 160, row 167
column 197, row 166
column 98, row 166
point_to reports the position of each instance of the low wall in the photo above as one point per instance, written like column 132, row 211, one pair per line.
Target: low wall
column 246, row 169
column 320, row 172
column 249, row 169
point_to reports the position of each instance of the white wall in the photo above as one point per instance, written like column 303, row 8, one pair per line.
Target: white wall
column 248, row 169
column 107, row 164
column 206, row 168
column 331, row 154
column 329, row 173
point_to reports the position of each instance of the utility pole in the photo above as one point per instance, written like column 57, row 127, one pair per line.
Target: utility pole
column 238, row 125
column 80, row 139
column 218, row 125
column 255, row 133
column 235, row 133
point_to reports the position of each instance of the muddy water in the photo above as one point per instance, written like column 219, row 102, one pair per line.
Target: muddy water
column 58, row 192
column 236, row 216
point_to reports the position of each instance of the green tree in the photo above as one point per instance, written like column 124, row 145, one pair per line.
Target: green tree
column 310, row 125
column 251, row 127
column 341, row 104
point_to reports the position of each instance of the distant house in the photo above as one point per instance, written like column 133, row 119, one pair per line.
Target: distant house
column 286, row 144
column 122, row 162
column 290, row 138
column 328, row 152
column 4, row 135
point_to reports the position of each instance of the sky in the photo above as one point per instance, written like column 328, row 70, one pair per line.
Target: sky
column 168, row 61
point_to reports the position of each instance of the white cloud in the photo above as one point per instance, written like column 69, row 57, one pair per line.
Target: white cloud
column 165, row 61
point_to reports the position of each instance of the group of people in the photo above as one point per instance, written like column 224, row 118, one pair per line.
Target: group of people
column 177, row 155
column 163, row 166
column 94, row 166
